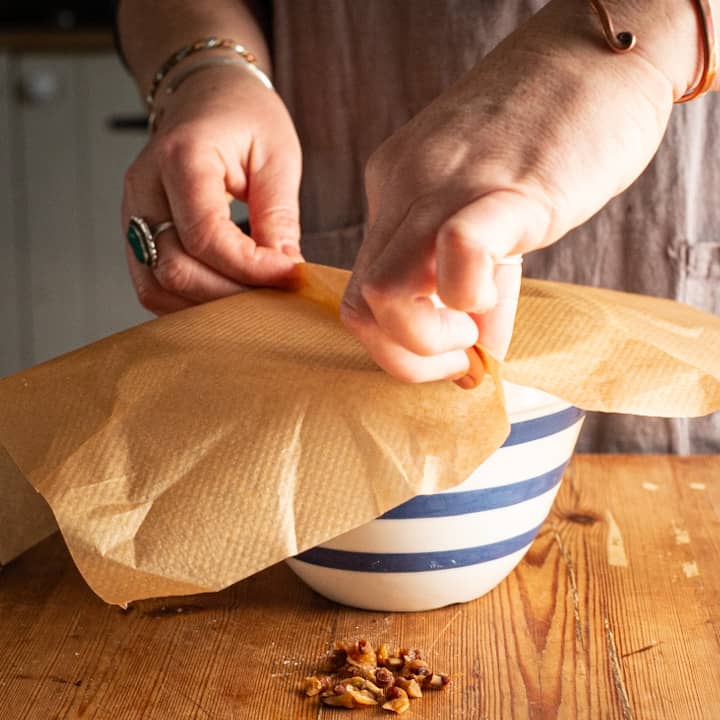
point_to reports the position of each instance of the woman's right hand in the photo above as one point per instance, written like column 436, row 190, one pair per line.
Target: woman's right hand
column 221, row 134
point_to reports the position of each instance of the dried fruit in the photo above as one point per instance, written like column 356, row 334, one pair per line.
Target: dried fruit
column 349, row 695
column 361, row 697
column 384, row 677
column 398, row 701
column 335, row 659
column 436, row 682
column 315, row 684
column 360, row 677
column 415, row 668
column 383, row 654
column 343, row 700
column 361, row 654
column 410, row 686
column 374, row 689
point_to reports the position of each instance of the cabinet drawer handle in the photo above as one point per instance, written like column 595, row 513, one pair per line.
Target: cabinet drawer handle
column 128, row 122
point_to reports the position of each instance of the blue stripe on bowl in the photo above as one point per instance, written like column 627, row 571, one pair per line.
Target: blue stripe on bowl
column 416, row 562
column 472, row 501
column 540, row 427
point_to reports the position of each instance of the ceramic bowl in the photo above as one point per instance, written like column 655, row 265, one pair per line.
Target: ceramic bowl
column 454, row 546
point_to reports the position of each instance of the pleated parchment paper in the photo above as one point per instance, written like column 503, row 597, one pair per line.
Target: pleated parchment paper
column 192, row 451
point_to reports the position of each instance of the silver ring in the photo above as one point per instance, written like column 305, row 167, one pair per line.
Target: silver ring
column 141, row 238
column 510, row 260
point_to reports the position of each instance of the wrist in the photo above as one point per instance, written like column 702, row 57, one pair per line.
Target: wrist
column 215, row 90
column 668, row 37
column 666, row 60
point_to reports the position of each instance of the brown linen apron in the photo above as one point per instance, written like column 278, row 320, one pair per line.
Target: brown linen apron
column 352, row 71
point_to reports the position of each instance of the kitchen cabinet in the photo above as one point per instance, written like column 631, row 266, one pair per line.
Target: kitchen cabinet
column 63, row 276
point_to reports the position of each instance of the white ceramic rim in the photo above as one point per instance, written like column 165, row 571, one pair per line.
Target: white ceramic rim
column 527, row 403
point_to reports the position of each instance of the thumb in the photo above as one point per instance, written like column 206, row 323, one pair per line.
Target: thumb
column 472, row 241
column 496, row 325
column 470, row 246
column 274, row 208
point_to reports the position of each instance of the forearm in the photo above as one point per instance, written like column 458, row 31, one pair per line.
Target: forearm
column 150, row 30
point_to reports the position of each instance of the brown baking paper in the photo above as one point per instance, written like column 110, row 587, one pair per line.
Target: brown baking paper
column 196, row 449
column 25, row 518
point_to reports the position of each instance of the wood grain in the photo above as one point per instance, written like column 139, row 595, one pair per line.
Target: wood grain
column 567, row 635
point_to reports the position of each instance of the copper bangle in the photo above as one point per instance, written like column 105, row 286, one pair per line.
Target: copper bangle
column 703, row 8
column 621, row 42
column 625, row 41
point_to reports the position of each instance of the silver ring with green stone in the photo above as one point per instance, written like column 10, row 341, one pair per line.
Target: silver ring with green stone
column 141, row 238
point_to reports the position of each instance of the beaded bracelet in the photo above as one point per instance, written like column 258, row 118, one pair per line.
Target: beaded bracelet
column 211, row 43
column 625, row 41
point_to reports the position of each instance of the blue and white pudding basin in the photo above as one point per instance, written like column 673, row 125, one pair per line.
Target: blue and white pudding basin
column 456, row 545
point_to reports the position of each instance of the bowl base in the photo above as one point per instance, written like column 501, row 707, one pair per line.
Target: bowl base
column 406, row 592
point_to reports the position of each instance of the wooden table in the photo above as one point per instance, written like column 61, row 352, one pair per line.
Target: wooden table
column 614, row 613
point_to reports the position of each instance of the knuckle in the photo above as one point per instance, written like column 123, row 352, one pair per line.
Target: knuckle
column 424, row 338
column 463, row 296
column 196, row 240
column 171, row 148
column 393, row 320
column 283, row 219
column 424, row 206
column 456, row 236
column 174, row 275
column 199, row 237
column 422, row 344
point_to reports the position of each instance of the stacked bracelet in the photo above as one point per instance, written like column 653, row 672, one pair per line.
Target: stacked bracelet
column 625, row 41
column 211, row 43
column 181, row 76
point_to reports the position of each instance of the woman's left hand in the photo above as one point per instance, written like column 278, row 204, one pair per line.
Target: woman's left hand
column 529, row 144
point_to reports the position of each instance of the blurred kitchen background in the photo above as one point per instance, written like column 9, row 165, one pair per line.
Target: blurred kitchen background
column 70, row 124
column 71, row 121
